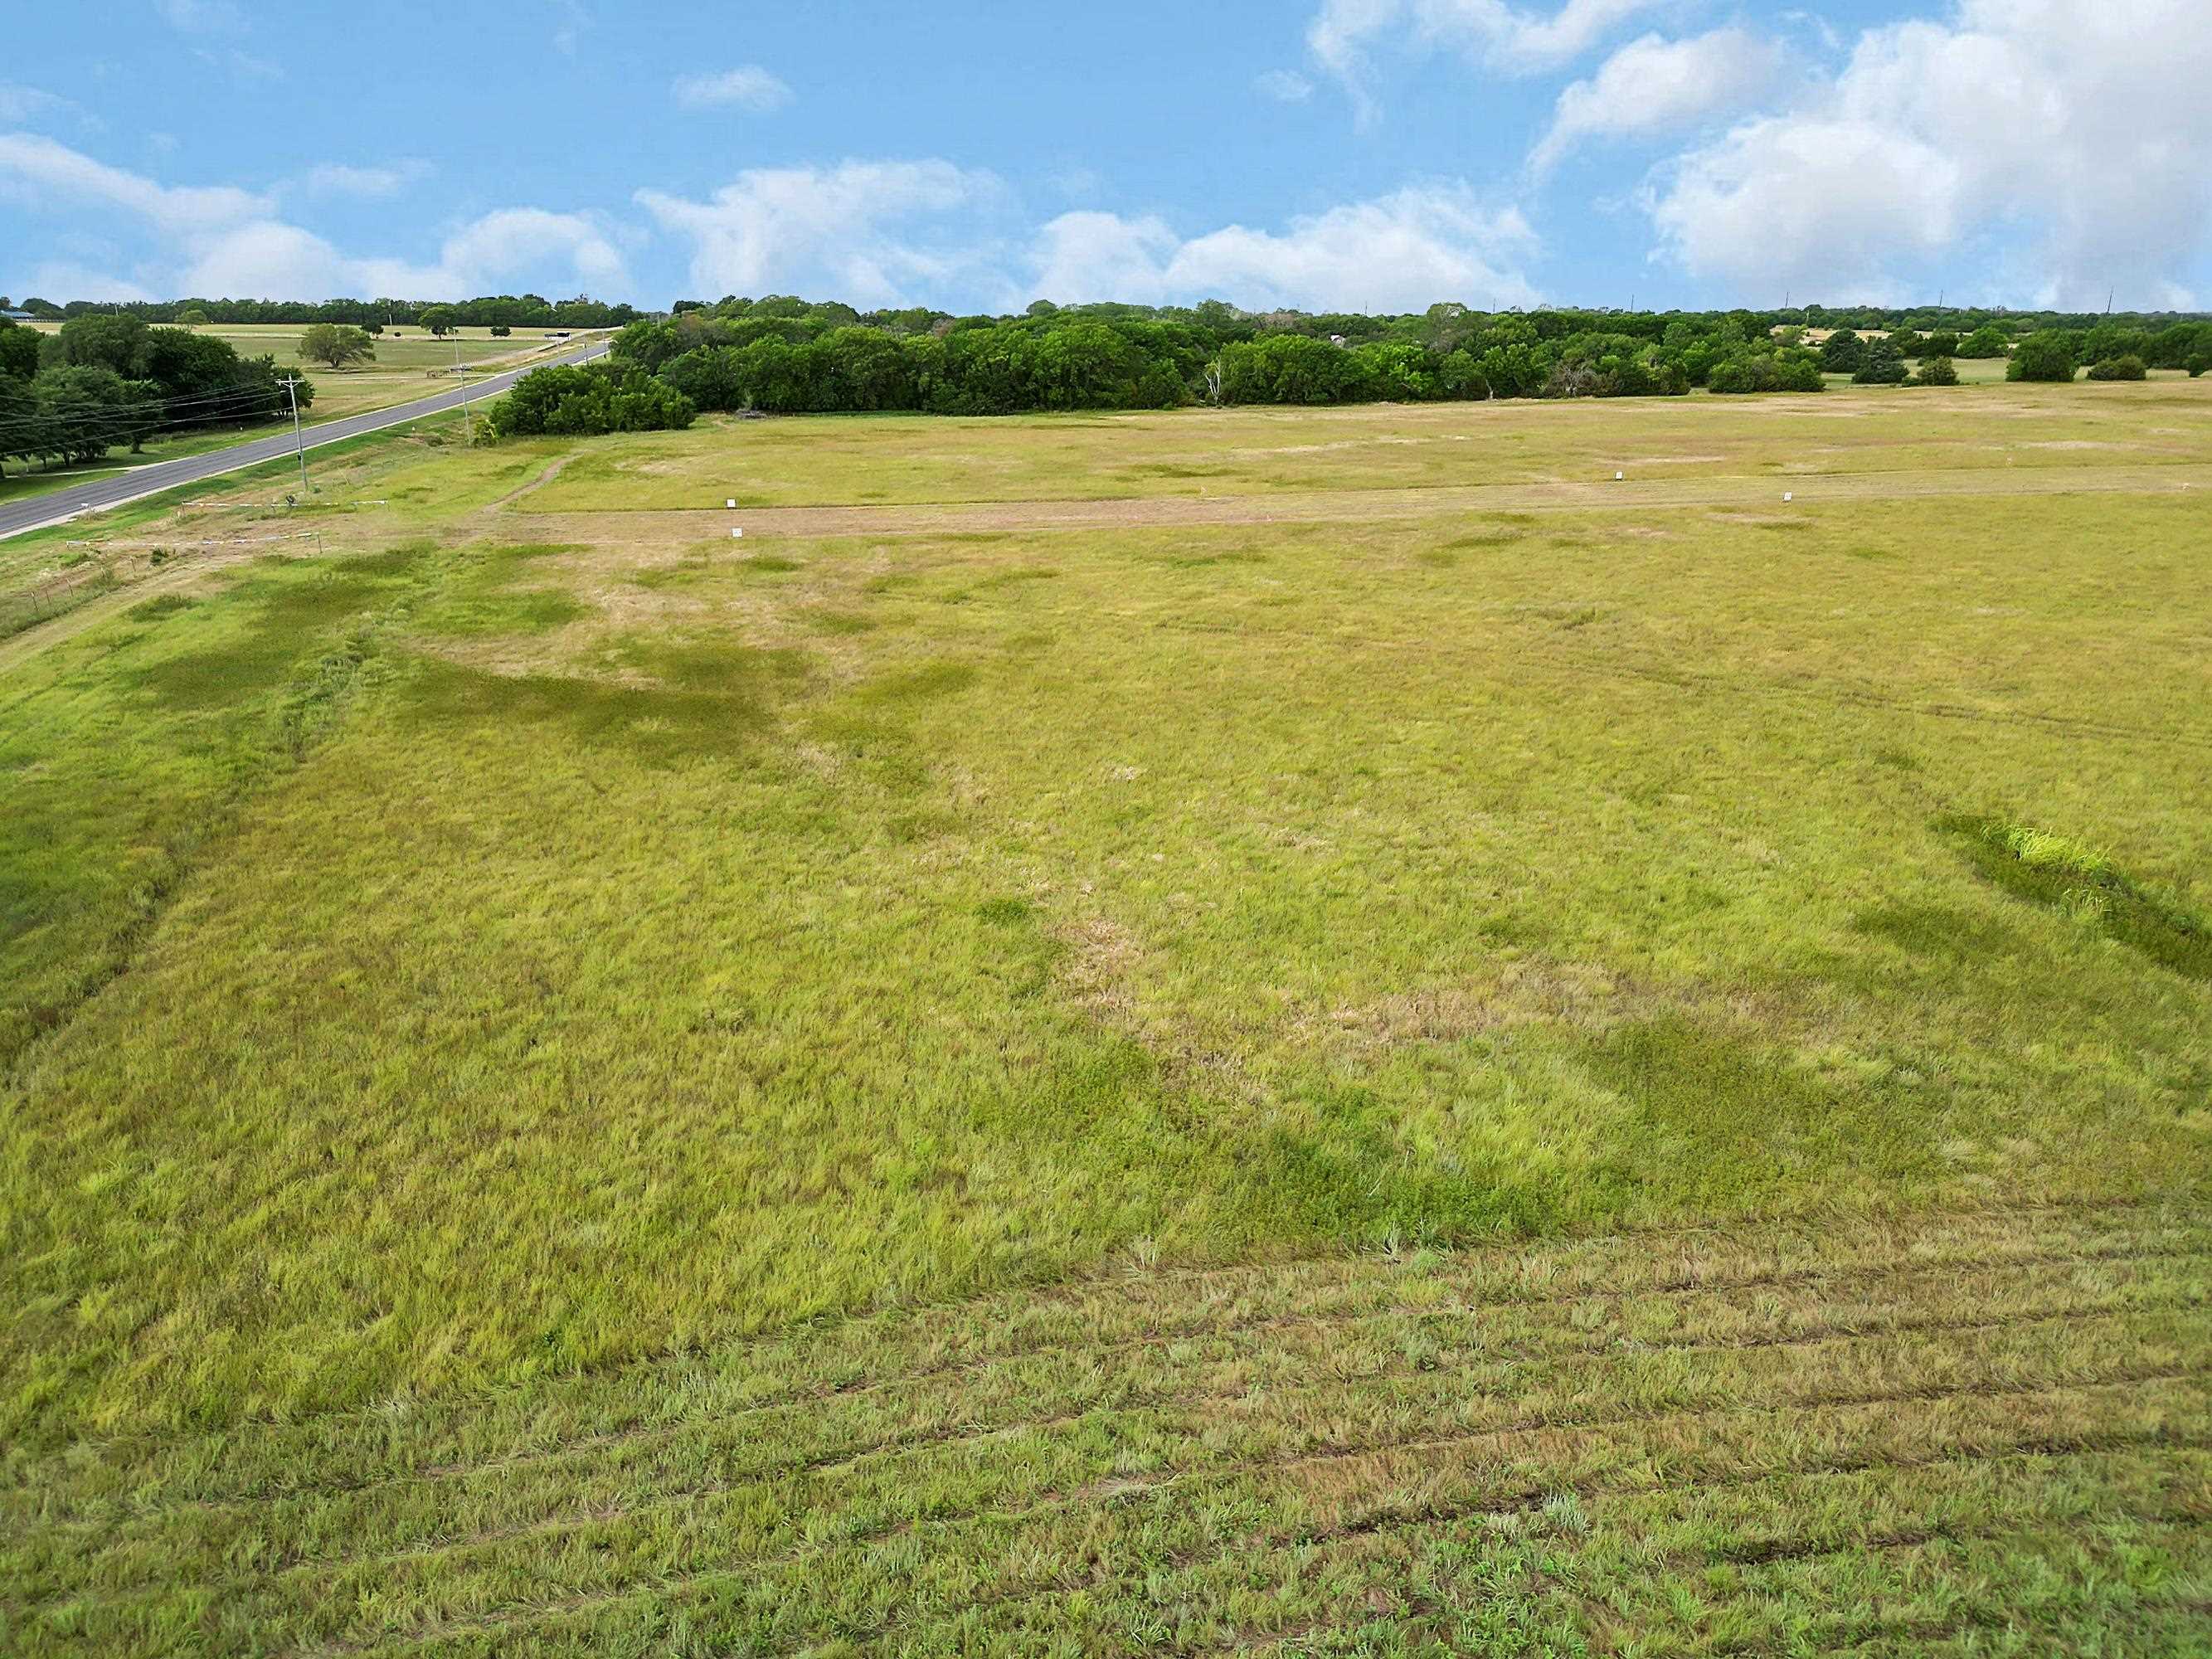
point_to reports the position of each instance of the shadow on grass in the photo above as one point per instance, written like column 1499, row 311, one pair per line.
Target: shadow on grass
column 658, row 726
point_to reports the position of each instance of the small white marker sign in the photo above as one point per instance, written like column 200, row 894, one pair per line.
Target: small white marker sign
column 737, row 535
column 1618, row 476
column 732, row 502
column 1787, row 496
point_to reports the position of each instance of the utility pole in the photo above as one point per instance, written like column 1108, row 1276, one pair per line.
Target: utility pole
column 299, row 443
column 468, row 414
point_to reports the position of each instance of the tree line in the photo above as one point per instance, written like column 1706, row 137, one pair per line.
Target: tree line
column 2108, row 350
column 784, row 355
column 105, row 381
column 781, row 355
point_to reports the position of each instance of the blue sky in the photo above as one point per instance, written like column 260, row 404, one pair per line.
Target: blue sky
column 1352, row 153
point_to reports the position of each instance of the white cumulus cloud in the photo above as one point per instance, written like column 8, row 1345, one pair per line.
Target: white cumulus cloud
column 748, row 86
column 270, row 260
column 224, row 242
column 20, row 103
column 1491, row 33
column 2078, row 129
column 1401, row 252
column 336, row 179
column 1653, row 86
column 850, row 227
column 59, row 174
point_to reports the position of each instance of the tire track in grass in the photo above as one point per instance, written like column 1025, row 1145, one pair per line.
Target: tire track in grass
column 1535, row 1501
column 1576, row 1352
column 1779, row 1278
column 1317, row 1458
column 1952, row 1539
column 1531, row 1494
column 1569, row 1363
column 1534, row 1423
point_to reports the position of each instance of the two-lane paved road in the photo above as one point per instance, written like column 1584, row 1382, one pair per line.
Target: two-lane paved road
column 63, row 505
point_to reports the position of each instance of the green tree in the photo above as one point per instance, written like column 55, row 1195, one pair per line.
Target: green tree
column 1942, row 344
column 2046, row 355
column 598, row 397
column 1906, row 341
column 2127, row 367
column 192, row 317
column 2109, row 341
column 1880, row 364
column 19, row 351
column 84, row 411
column 439, row 319
column 336, row 344
column 111, row 340
column 1937, row 371
column 1987, row 340
column 1842, row 353
column 19, row 420
column 2172, row 348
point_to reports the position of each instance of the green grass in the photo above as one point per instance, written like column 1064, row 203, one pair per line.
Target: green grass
column 1849, row 435
column 1777, row 1440
column 1151, row 1085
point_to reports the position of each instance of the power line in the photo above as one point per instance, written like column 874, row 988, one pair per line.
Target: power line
column 165, row 403
column 204, row 420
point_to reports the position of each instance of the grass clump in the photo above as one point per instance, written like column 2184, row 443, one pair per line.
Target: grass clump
column 2062, row 875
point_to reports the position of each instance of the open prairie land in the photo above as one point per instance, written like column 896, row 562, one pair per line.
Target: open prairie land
column 1287, row 1032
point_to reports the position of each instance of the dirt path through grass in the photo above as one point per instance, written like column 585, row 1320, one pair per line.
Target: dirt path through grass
column 1309, row 506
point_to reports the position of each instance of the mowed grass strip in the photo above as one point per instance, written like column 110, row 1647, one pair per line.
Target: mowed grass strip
column 839, row 1579
column 528, row 1495
column 1633, row 1289
column 1328, row 1409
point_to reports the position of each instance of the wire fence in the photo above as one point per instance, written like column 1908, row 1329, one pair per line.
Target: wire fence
column 92, row 568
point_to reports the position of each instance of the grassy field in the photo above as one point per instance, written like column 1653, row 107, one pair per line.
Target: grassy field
column 1316, row 1032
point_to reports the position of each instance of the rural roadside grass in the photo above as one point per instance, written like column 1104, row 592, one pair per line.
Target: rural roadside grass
column 1073, row 1066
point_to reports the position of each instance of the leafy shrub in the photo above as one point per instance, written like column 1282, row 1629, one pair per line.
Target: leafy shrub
column 2198, row 364
column 1766, row 371
column 2126, row 368
column 2045, row 356
column 1987, row 340
column 1937, row 371
column 598, row 397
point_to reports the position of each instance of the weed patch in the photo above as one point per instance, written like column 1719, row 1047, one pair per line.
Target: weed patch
column 165, row 605
column 2056, row 874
